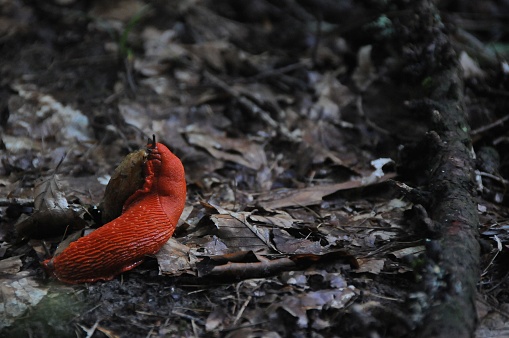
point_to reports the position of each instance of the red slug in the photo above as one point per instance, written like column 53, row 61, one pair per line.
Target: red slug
column 148, row 220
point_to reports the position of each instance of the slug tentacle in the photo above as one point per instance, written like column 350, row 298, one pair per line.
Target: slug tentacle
column 149, row 219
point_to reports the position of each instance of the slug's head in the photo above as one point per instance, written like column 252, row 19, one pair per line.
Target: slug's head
column 165, row 165
column 166, row 172
column 153, row 153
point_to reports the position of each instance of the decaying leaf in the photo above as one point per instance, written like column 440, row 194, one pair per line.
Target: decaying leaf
column 288, row 244
column 470, row 67
column 280, row 219
column 53, row 118
column 252, row 244
column 239, row 235
column 413, row 250
column 18, row 294
column 299, row 303
column 48, row 195
column 126, row 179
column 370, row 265
column 53, row 215
column 10, row 265
column 176, row 259
column 68, row 240
column 311, row 195
column 241, row 151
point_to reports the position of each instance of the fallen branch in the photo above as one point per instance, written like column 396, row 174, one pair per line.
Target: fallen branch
column 452, row 268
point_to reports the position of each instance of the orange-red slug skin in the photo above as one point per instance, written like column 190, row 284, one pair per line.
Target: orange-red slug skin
column 149, row 219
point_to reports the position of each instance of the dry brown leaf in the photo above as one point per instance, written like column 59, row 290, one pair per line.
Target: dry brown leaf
column 241, row 151
column 370, row 265
column 281, row 219
column 176, row 259
column 413, row 250
column 288, row 244
column 126, row 179
column 68, row 240
column 261, row 94
column 297, row 305
column 282, row 198
column 53, row 119
column 11, row 265
column 161, row 50
column 48, row 195
column 239, row 235
column 53, row 215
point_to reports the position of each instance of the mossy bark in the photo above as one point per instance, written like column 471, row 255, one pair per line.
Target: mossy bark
column 453, row 255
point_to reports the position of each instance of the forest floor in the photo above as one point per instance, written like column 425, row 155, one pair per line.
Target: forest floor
column 346, row 165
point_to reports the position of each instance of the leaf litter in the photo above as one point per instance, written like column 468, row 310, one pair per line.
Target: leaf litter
column 286, row 212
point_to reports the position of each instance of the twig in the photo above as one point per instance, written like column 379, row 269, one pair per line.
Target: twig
column 191, row 318
column 489, row 126
column 277, row 71
column 20, row 202
column 494, row 177
column 242, row 309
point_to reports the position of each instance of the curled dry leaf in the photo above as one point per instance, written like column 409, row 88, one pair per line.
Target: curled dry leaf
column 126, row 179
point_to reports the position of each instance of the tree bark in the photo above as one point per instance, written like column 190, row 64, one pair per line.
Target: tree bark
column 452, row 267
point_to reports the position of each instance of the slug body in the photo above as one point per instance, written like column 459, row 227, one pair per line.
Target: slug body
column 148, row 220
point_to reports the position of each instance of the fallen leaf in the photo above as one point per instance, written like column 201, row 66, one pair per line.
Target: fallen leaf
column 281, row 219
column 282, row 198
column 239, row 235
column 414, row 250
column 370, row 265
column 52, row 117
column 241, row 151
column 52, row 215
column 11, row 265
column 285, row 243
column 298, row 305
column 175, row 259
column 19, row 294
column 126, row 179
